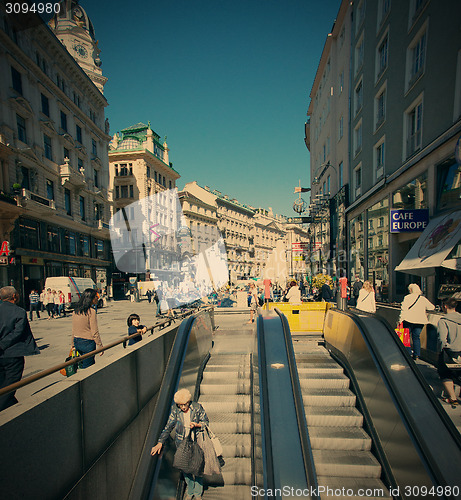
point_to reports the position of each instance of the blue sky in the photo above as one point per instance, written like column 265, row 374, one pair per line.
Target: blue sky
column 227, row 82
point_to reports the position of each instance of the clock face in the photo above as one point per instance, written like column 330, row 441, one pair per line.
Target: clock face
column 81, row 51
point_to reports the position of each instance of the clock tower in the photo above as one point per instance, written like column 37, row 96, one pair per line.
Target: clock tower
column 74, row 29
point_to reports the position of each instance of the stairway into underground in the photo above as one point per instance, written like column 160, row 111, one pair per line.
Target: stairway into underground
column 225, row 394
column 340, row 446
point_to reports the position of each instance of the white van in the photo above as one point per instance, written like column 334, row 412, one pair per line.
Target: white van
column 71, row 287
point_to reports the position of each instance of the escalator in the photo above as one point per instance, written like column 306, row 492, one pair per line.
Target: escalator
column 343, row 409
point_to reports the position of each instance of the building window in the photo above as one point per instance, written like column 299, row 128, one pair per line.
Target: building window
column 341, row 175
column 449, row 175
column 382, row 57
column 148, row 171
column 50, row 189
column 48, row 147
column 98, row 211
column 63, row 121
column 76, row 99
column 94, row 148
column 379, row 159
column 328, row 184
column 117, row 192
column 169, row 183
column 358, row 97
column 96, row 178
column 164, row 182
column 79, row 134
column 45, row 105
column 99, row 249
column 66, row 153
column 360, row 14
column 25, row 178
column 380, row 108
column 29, row 234
column 123, row 191
column 85, row 245
column 358, row 180
column 412, row 195
column 383, row 9
column 359, row 52
column 67, row 201
column 414, row 119
column 70, row 244
column 81, row 166
column 416, row 56
column 82, row 207
column 131, row 191
column 16, row 80
column 358, row 139
column 341, row 128
column 21, row 124
column 53, row 240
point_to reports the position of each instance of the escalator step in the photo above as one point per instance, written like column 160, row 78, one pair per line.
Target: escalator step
column 306, row 368
column 236, row 491
column 333, row 416
column 240, row 387
column 241, row 425
column 374, row 486
column 215, row 403
column 328, row 397
column 237, row 471
column 324, row 381
column 339, row 438
column 345, row 463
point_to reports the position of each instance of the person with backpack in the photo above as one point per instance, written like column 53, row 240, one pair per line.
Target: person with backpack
column 449, row 330
column 413, row 315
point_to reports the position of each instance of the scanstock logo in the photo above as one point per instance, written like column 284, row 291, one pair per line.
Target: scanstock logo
column 151, row 236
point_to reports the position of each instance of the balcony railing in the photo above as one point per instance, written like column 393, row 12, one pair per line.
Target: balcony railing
column 38, row 200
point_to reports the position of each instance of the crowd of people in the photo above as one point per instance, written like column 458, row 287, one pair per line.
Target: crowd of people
column 51, row 301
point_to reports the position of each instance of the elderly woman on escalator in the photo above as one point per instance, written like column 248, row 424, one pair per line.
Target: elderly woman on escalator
column 185, row 415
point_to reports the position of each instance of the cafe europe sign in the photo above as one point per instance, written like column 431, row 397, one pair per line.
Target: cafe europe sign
column 409, row 221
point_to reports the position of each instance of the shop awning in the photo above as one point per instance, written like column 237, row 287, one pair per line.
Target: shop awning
column 433, row 246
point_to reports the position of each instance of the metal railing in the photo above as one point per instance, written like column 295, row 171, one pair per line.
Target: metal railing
column 49, row 371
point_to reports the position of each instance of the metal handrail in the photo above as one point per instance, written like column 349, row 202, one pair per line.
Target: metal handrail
column 77, row 359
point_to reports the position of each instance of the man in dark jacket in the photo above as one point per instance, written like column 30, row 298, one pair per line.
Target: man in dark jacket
column 16, row 341
column 327, row 292
column 356, row 287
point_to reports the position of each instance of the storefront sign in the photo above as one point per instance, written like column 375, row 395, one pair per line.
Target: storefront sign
column 409, row 221
column 5, row 249
column 35, row 261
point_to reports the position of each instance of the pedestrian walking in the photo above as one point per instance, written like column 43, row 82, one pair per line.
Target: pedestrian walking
column 56, row 303
column 413, row 315
column 48, row 302
column 34, row 304
column 293, row 295
column 254, row 301
column 356, row 289
column 185, row 415
column 326, row 292
column 149, row 296
column 134, row 327
column 85, row 331
column 42, row 301
column 366, row 300
column 61, row 304
column 449, row 330
column 16, row 341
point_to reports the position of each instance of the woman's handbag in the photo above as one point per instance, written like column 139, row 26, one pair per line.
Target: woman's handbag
column 452, row 359
column 189, row 457
column 211, row 466
column 71, row 369
column 404, row 334
column 216, row 443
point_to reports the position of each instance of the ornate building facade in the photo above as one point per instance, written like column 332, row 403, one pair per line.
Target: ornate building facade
column 53, row 154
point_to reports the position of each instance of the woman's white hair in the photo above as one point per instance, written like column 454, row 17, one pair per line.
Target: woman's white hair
column 182, row 397
column 414, row 288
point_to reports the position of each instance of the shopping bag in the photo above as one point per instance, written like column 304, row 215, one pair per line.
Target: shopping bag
column 404, row 334
column 216, row 443
column 71, row 369
column 211, row 465
column 189, row 457
column 452, row 359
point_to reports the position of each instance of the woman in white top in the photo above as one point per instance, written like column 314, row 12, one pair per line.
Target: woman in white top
column 366, row 300
column 413, row 315
column 294, row 294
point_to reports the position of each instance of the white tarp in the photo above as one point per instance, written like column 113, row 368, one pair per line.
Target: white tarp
column 433, row 246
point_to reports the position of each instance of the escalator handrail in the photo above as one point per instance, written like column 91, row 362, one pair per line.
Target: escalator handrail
column 148, row 466
column 417, row 438
column 306, row 446
column 266, row 439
